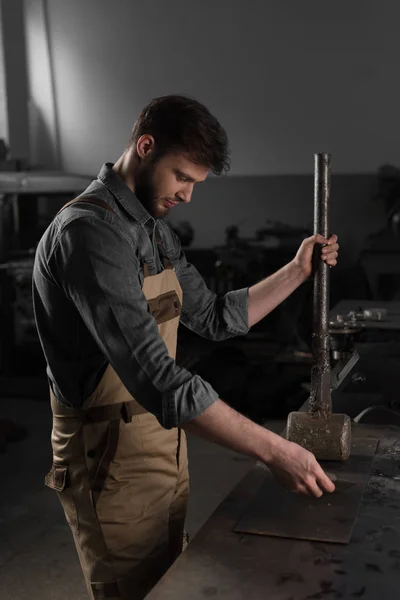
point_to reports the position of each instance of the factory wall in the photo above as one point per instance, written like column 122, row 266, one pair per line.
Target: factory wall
column 3, row 97
column 286, row 79
column 14, row 92
column 43, row 124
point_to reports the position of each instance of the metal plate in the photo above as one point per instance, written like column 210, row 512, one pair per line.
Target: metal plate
column 277, row 512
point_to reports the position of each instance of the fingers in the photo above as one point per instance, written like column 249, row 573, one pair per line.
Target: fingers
column 302, row 489
column 324, row 482
column 330, row 257
column 313, row 488
column 320, row 239
column 318, row 482
column 298, row 470
column 309, row 487
column 329, row 252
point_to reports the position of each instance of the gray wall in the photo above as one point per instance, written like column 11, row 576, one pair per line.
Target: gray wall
column 287, row 79
column 15, row 94
column 43, row 112
column 3, row 97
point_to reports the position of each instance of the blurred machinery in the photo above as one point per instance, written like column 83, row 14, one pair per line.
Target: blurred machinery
column 369, row 333
column 380, row 256
column 364, row 334
column 245, row 370
column 28, row 202
column 243, row 261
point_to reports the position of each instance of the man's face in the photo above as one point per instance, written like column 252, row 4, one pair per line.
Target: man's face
column 161, row 184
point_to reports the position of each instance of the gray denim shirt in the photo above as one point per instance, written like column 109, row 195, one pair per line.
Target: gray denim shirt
column 90, row 309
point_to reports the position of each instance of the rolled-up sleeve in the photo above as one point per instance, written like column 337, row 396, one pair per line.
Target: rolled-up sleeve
column 211, row 316
column 97, row 268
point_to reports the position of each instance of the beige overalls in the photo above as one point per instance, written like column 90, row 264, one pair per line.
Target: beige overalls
column 121, row 477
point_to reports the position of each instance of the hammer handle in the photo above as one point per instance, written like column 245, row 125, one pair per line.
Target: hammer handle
column 320, row 394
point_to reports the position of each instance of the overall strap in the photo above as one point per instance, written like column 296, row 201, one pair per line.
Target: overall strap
column 96, row 201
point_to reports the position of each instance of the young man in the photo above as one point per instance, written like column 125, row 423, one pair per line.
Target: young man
column 111, row 284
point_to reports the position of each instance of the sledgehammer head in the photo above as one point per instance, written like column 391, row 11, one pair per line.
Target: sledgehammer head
column 327, row 438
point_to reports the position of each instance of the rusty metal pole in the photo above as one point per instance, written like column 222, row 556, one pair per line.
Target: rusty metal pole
column 320, row 404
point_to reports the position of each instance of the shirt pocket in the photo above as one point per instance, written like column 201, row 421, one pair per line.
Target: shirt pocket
column 165, row 307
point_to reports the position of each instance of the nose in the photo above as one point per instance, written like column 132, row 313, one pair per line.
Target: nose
column 186, row 194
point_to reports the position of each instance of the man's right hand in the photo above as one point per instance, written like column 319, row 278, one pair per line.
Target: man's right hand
column 298, row 470
column 295, row 468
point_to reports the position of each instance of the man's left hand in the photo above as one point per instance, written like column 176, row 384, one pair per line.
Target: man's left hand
column 329, row 252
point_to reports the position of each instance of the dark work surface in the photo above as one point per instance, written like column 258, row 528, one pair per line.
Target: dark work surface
column 277, row 512
column 223, row 564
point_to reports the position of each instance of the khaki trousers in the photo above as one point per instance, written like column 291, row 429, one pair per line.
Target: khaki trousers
column 124, row 488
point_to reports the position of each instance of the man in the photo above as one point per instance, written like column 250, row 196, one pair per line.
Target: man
column 111, row 284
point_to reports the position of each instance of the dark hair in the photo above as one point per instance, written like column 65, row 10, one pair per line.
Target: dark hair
column 181, row 124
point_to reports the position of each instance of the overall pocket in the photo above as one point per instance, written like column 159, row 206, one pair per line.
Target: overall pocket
column 165, row 307
column 58, row 479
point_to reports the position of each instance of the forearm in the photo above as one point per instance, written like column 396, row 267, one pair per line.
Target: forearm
column 222, row 425
column 267, row 294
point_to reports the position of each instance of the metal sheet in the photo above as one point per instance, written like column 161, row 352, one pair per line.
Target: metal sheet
column 277, row 512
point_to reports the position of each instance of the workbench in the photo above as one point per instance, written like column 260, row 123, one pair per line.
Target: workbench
column 223, row 564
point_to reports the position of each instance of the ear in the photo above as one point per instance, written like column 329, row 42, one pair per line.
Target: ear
column 145, row 146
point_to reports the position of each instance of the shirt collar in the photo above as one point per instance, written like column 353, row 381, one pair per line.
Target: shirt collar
column 124, row 195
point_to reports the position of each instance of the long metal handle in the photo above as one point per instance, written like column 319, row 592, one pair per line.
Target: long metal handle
column 320, row 395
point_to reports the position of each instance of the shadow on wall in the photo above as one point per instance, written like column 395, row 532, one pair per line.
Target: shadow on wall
column 250, row 201
column 42, row 150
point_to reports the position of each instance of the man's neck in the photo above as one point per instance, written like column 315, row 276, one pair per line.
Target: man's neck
column 125, row 168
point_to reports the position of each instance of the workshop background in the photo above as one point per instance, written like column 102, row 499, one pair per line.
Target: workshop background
column 286, row 79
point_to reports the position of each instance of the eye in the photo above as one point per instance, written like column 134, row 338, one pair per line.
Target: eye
column 181, row 178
